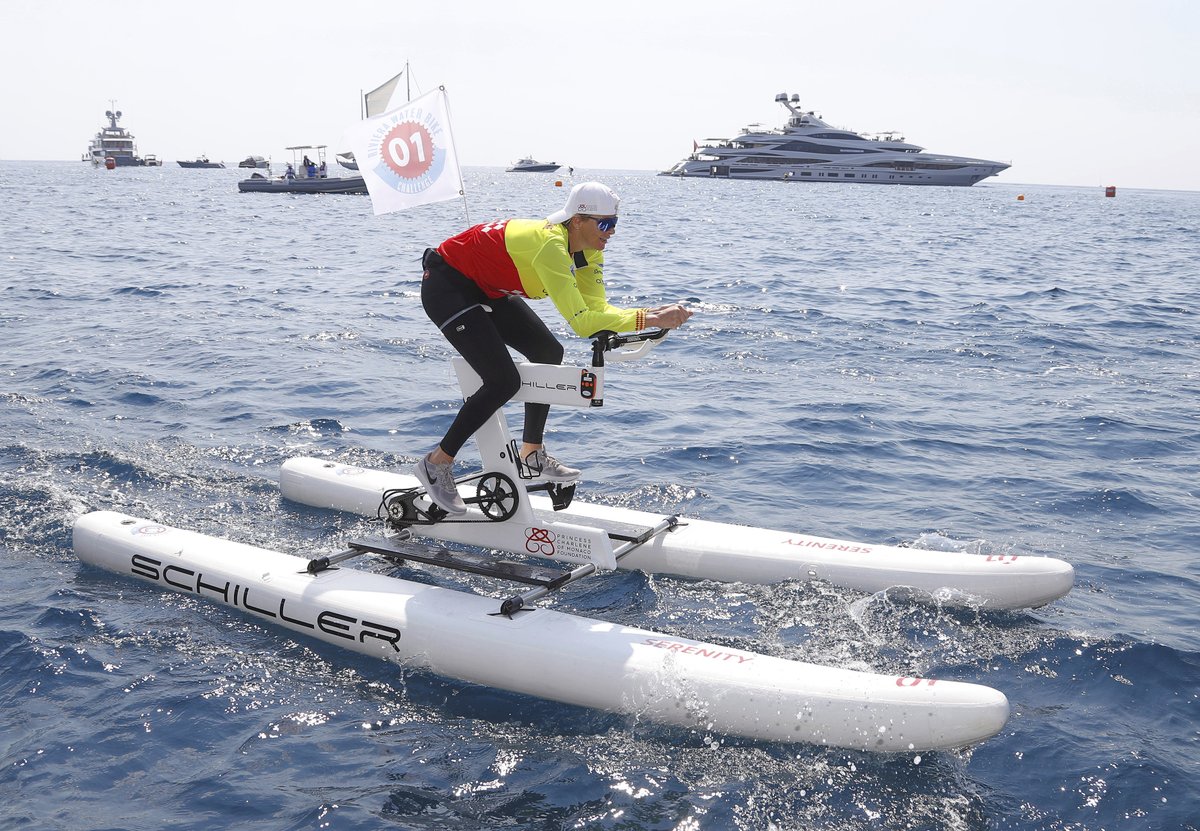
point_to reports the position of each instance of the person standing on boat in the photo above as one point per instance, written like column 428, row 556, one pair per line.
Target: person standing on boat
column 473, row 289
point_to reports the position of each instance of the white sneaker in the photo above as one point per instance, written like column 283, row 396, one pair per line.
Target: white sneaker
column 439, row 485
column 545, row 466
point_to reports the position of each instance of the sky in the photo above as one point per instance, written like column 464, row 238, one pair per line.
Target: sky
column 1068, row 92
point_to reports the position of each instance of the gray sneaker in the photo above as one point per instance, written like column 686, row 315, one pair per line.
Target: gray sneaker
column 439, row 484
column 545, row 466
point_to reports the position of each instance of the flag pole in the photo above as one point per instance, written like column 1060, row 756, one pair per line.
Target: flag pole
column 462, row 190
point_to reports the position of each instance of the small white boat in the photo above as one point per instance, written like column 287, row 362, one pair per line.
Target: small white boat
column 531, row 165
column 200, row 162
column 549, row 654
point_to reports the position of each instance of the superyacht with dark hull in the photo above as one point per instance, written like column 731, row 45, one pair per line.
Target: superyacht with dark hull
column 809, row 149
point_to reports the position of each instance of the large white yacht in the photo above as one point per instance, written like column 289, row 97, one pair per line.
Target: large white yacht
column 808, row 149
column 116, row 143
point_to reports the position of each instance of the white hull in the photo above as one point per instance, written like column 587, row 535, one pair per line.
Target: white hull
column 549, row 654
column 531, row 166
column 720, row 551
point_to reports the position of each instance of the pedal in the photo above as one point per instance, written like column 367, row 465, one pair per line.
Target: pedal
column 560, row 495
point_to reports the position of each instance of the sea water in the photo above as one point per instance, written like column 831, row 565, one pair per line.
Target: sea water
column 1001, row 368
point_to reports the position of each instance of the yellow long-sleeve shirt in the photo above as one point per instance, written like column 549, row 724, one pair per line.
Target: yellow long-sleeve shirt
column 530, row 258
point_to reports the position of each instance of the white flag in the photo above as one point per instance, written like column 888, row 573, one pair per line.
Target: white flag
column 377, row 100
column 406, row 156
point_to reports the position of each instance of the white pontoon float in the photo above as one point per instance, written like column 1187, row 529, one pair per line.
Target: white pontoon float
column 549, row 654
column 508, row 514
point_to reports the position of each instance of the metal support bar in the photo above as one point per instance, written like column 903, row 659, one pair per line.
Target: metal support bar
column 319, row 564
column 468, row 561
column 520, row 602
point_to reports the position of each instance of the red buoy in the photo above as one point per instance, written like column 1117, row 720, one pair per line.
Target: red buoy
column 1110, row 191
column 109, row 163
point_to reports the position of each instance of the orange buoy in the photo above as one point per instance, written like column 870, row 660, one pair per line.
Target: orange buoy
column 558, row 184
column 1111, row 190
column 109, row 163
column 1021, row 198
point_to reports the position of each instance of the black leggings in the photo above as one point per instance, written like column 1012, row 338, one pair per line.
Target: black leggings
column 481, row 329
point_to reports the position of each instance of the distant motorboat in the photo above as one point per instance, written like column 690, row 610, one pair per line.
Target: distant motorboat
column 201, row 161
column 531, row 165
column 809, row 149
column 304, row 176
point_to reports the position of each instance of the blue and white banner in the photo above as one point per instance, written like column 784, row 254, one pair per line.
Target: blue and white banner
column 406, row 156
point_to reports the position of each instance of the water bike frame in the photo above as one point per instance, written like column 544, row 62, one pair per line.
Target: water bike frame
column 500, row 515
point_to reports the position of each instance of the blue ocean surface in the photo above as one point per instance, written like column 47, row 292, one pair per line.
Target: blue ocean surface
column 949, row 368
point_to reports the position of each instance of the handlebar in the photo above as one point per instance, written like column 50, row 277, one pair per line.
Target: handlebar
column 613, row 343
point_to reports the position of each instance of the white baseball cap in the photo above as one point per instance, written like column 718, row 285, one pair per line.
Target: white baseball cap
column 591, row 198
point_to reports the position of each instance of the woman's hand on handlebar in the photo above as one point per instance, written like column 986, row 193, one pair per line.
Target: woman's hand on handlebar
column 671, row 316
